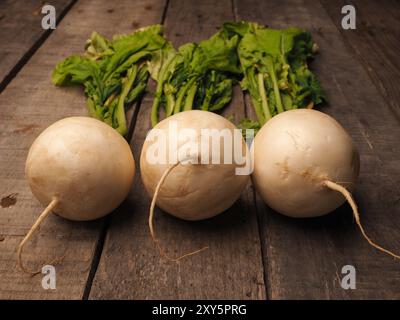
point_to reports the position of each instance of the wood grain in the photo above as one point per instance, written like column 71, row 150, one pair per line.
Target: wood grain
column 375, row 42
column 28, row 105
column 131, row 267
column 304, row 258
column 21, row 33
column 254, row 252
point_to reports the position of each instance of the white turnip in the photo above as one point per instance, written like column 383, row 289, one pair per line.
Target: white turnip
column 80, row 168
column 306, row 165
column 187, row 187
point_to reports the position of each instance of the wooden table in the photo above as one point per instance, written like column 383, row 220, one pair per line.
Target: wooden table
column 254, row 252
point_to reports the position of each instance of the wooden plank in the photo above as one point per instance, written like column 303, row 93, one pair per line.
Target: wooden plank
column 28, row 105
column 131, row 266
column 21, row 33
column 304, row 257
column 375, row 42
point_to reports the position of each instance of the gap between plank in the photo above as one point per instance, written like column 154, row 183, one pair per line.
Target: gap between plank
column 32, row 50
column 96, row 256
column 164, row 14
column 259, row 217
column 263, row 247
column 364, row 65
column 353, row 52
column 107, row 220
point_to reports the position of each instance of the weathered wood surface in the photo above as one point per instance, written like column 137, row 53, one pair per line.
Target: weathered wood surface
column 304, row 258
column 131, row 266
column 254, row 252
column 21, row 33
column 28, row 105
column 375, row 42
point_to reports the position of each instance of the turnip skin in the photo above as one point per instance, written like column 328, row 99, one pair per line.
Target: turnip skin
column 193, row 191
column 305, row 165
column 294, row 153
column 81, row 169
column 82, row 162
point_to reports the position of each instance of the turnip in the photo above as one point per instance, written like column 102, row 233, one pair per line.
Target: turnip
column 306, row 165
column 188, row 187
column 80, row 168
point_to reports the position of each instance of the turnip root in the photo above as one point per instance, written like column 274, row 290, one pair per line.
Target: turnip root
column 187, row 187
column 80, row 168
column 306, row 165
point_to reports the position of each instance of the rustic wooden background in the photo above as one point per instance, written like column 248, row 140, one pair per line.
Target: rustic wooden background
column 254, row 252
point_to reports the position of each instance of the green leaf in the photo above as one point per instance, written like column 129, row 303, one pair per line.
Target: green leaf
column 113, row 73
column 280, row 56
column 74, row 70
